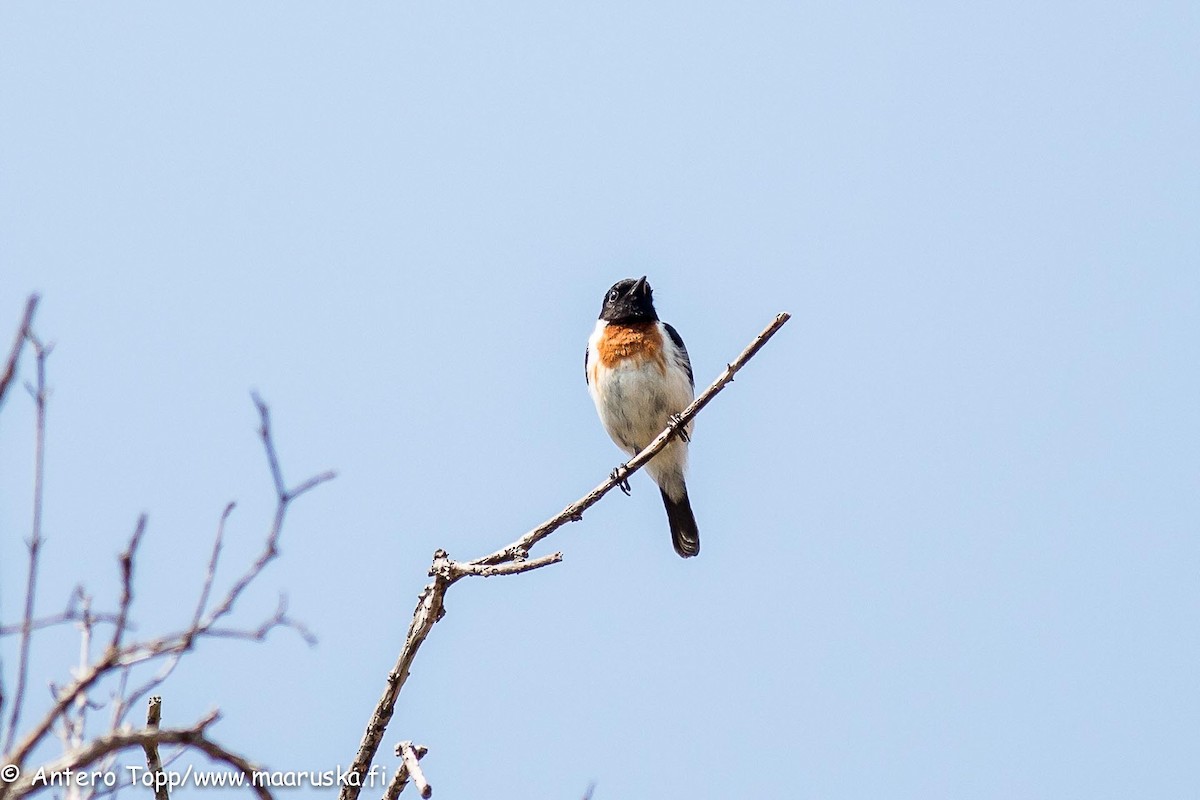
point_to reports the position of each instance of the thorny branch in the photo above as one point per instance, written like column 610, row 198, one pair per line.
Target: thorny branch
column 514, row 559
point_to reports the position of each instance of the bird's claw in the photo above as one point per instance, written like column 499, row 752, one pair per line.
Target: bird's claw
column 622, row 483
column 677, row 423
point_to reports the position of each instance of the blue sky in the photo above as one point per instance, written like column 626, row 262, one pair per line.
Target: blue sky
column 949, row 515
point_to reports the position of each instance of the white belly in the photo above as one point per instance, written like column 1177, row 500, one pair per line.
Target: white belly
column 635, row 402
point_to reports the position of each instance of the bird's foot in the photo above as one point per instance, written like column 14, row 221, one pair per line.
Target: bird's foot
column 622, row 483
column 681, row 429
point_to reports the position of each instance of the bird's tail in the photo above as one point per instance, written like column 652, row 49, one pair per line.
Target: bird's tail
column 684, row 533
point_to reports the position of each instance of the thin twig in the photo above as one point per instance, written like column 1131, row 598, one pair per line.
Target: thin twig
column 126, row 561
column 54, row 620
column 41, row 352
column 194, row 737
column 203, row 621
column 6, row 379
column 122, row 657
column 513, row 559
column 211, row 573
column 130, row 700
column 10, row 365
column 284, row 497
column 279, row 620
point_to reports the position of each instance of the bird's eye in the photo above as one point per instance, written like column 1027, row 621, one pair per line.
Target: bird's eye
column 612, row 295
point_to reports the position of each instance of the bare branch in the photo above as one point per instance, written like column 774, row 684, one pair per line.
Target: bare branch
column 400, row 778
column 285, row 494
column 279, row 620
column 153, row 762
column 194, row 737
column 513, row 560
column 211, row 574
column 6, row 379
column 264, row 431
column 126, row 562
column 396, row 785
column 284, row 498
column 42, row 352
column 430, row 608
column 456, row 570
column 121, row 656
column 10, row 366
column 54, row 620
column 411, row 755
column 125, row 702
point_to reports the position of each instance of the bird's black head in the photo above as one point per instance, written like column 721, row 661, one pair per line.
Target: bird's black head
column 629, row 301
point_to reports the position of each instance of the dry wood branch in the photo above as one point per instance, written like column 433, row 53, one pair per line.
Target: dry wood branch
column 65, row 618
column 204, row 622
column 195, row 738
column 284, row 498
column 401, row 776
column 211, row 574
column 125, row 701
column 397, row 784
column 280, row 619
column 71, row 614
column 10, row 365
column 455, row 570
column 153, row 762
column 120, row 656
column 126, row 561
column 41, row 352
column 88, row 674
column 412, row 754
column 513, row 559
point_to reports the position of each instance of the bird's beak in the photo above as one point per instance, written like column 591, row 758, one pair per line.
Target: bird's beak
column 641, row 287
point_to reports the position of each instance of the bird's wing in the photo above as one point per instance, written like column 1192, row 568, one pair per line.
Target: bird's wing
column 686, row 362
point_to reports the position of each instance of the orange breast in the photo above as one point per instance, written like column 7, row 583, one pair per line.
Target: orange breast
column 641, row 341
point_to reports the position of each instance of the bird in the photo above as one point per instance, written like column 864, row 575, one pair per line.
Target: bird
column 640, row 378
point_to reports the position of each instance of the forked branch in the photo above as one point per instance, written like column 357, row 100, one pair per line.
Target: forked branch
column 196, row 737
column 122, row 654
column 514, row 559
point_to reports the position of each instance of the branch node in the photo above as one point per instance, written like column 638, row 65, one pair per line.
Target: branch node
column 442, row 567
